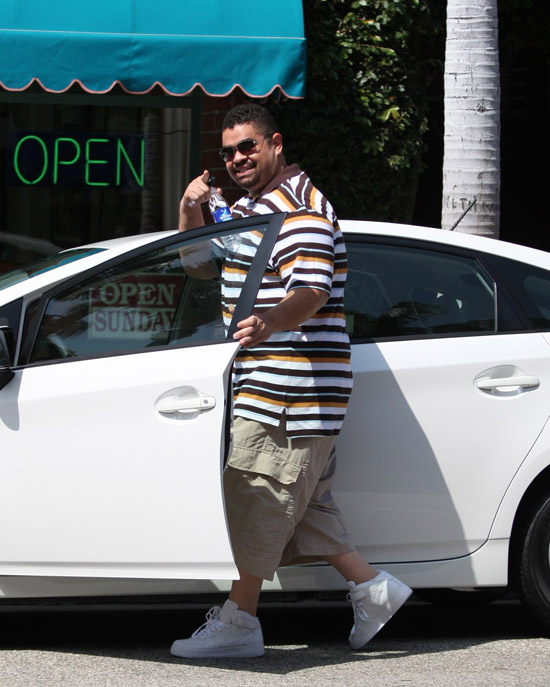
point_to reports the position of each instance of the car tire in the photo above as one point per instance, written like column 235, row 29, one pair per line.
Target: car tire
column 532, row 561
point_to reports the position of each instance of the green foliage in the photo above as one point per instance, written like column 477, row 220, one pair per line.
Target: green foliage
column 358, row 132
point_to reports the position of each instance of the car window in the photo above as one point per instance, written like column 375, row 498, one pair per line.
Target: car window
column 172, row 296
column 4, row 357
column 45, row 265
column 530, row 286
column 10, row 316
column 394, row 291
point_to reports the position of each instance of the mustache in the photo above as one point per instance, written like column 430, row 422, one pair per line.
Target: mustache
column 244, row 163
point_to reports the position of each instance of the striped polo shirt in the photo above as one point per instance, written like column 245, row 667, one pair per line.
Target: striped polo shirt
column 304, row 372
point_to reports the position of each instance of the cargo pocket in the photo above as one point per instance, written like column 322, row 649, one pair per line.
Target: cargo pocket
column 264, row 461
column 265, row 450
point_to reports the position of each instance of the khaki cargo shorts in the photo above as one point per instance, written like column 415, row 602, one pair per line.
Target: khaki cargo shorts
column 278, row 500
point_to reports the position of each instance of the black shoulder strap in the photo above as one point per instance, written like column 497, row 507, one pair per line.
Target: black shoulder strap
column 255, row 274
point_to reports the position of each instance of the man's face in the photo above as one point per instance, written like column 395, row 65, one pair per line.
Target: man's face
column 255, row 169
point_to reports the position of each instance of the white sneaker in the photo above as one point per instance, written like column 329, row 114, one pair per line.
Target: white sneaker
column 227, row 633
column 374, row 603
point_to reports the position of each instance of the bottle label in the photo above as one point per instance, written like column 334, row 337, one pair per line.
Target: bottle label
column 221, row 214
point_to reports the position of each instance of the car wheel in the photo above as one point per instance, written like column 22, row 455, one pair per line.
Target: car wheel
column 532, row 562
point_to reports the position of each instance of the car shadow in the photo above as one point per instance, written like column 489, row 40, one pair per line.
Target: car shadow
column 298, row 636
column 390, row 483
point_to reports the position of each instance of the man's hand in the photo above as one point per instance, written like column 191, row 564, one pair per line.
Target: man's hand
column 252, row 331
column 197, row 192
column 296, row 307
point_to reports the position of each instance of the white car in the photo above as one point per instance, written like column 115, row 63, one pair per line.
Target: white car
column 116, row 398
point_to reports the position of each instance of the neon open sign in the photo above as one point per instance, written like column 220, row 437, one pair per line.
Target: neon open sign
column 83, row 160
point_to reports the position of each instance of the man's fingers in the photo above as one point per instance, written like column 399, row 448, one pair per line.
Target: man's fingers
column 198, row 190
column 251, row 331
column 249, row 322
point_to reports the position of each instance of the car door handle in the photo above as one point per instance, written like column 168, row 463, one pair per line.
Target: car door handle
column 525, row 381
column 186, row 405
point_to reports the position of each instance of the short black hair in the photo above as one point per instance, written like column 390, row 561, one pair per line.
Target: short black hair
column 251, row 113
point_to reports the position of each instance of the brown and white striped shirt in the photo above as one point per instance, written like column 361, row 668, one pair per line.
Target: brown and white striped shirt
column 304, row 372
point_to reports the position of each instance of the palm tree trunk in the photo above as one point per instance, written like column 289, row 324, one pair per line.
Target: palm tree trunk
column 471, row 161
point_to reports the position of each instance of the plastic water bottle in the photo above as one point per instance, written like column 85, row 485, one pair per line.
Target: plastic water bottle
column 218, row 206
column 221, row 212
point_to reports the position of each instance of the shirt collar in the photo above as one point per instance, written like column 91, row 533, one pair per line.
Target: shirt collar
column 286, row 173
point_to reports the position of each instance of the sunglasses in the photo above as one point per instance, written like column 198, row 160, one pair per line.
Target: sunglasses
column 244, row 147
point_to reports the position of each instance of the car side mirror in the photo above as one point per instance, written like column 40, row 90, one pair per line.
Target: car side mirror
column 6, row 373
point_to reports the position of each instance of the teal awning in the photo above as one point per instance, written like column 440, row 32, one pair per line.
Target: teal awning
column 258, row 45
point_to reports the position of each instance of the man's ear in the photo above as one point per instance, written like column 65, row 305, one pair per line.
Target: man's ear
column 277, row 142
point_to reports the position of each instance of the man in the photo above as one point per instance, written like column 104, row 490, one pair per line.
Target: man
column 292, row 381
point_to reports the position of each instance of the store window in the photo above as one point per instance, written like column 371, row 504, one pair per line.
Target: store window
column 78, row 169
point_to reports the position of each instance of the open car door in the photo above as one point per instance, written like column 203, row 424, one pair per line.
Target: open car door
column 113, row 429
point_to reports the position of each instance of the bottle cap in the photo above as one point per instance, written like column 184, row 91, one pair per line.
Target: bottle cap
column 211, row 181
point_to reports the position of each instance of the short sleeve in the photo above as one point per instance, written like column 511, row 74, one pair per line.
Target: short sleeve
column 304, row 254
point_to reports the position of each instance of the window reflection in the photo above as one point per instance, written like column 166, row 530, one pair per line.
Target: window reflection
column 394, row 291
column 169, row 297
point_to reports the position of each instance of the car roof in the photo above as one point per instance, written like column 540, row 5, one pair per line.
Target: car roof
column 118, row 246
column 100, row 252
column 482, row 244
column 125, row 243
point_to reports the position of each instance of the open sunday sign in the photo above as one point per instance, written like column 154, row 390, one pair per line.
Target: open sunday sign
column 80, row 160
column 134, row 306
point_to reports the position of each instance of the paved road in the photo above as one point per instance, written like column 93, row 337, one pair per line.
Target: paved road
column 99, row 646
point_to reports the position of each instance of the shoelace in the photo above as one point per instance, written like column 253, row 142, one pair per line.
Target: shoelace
column 359, row 612
column 211, row 625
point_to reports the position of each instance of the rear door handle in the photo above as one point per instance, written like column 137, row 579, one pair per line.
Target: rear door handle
column 525, row 381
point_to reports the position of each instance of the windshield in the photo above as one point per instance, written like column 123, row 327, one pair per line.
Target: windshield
column 45, row 265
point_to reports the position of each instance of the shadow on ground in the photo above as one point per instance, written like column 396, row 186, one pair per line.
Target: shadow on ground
column 298, row 636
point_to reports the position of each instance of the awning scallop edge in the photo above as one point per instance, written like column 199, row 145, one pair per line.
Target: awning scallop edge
column 106, row 45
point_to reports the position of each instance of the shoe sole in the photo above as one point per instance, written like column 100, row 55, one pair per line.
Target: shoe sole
column 222, row 652
column 397, row 601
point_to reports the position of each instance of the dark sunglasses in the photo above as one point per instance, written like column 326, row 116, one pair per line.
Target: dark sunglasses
column 244, row 147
